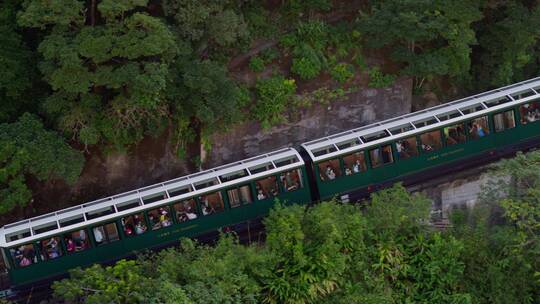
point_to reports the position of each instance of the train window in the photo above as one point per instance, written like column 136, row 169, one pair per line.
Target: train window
column 381, row 156
column 186, row 210
column 454, row 134
column 134, row 224
column 179, row 191
column 522, row 94
column 72, row 220
column 211, row 203
column 232, row 176
column 431, row 141
column 45, row 227
column 76, row 241
column 261, row 168
column 329, row 170
column 472, row 109
column 325, row 150
column 128, row 205
column 448, row 115
column 50, row 248
column 292, row 180
column 425, row 122
column 23, row 255
column 286, row 161
column 240, row 195
column 406, row 147
column 206, row 183
column 503, row 121
column 100, row 212
column 266, row 187
column 159, row 218
column 105, row 234
column 530, row 112
column 374, row 136
column 154, row 198
column 355, row 163
column 401, row 129
column 17, row 235
column 496, row 102
column 478, row 127
column 347, row 144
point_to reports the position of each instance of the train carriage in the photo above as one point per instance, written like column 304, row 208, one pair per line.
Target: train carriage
column 116, row 226
column 481, row 126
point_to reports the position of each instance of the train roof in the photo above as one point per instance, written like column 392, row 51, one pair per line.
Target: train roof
column 422, row 121
column 176, row 189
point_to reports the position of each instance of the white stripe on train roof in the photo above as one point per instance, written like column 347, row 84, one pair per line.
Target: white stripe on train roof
column 408, row 119
column 174, row 184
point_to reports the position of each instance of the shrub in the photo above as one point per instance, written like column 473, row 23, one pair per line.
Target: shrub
column 379, row 80
column 342, row 72
column 256, row 64
column 269, row 54
column 305, row 68
column 273, row 96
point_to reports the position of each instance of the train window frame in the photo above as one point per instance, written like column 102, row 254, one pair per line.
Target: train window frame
column 529, row 112
column 84, row 240
column 240, row 198
column 158, row 218
column 469, row 127
column 133, row 229
column 207, row 208
column 264, row 194
column 354, row 167
column 182, row 214
column 413, row 148
column 380, row 156
column 497, row 127
column 56, row 247
column 288, row 182
column 105, row 235
column 334, row 165
column 447, row 130
column 428, row 148
column 13, row 255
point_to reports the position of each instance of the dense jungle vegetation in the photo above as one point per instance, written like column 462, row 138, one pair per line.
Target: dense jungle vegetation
column 104, row 74
column 383, row 252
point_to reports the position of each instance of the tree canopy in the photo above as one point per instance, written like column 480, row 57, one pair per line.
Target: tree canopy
column 28, row 150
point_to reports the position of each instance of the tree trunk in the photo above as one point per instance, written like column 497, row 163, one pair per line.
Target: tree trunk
column 93, row 13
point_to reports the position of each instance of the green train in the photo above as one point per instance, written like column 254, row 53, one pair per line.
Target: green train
column 346, row 166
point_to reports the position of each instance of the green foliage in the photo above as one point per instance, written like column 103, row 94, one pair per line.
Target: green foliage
column 295, row 8
column 501, row 60
column 109, row 79
column 220, row 274
column 328, row 253
column 202, row 89
column 26, row 148
column 208, row 24
column 15, row 66
column 125, row 282
column 311, row 251
column 342, row 72
column 432, row 37
column 308, row 44
column 379, row 80
column 306, row 67
column 256, row 64
column 273, row 96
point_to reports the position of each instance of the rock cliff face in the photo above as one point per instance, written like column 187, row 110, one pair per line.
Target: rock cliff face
column 360, row 108
column 153, row 161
